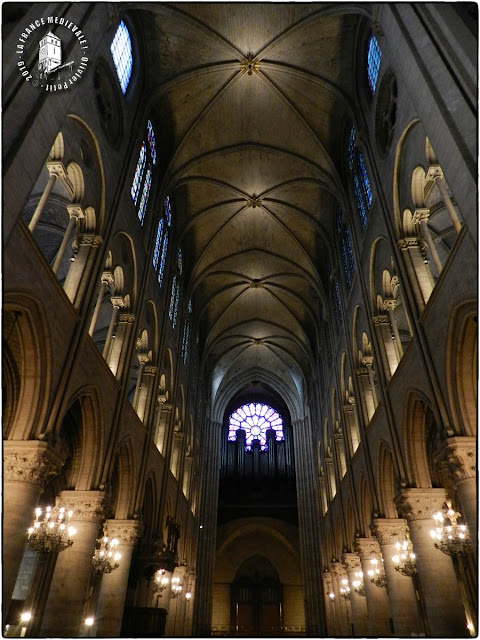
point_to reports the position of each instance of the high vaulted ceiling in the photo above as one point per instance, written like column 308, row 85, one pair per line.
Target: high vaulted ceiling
column 253, row 101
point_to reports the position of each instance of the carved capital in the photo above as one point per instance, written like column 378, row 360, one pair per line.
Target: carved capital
column 367, row 361
column 366, row 548
column 361, row 371
column 57, row 169
column 457, row 456
column 127, row 532
column 380, row 320
column 76, row 211
column 389, row 531
column 337, row 569
column 89, row 240
column 420, row 215
column 410, row 243
column 150, row 370
column 351, row 562
column 420, row 504
column 30, row 461
column 117, row 301
column 88, row 506
column 389, row 304
column 127, row 318
column 434, row 171
column 107, row 277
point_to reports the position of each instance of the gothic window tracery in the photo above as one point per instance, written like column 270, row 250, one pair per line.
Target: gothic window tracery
column 142, row 180
column 361, row 181
column 255, row 419
column 373, row 62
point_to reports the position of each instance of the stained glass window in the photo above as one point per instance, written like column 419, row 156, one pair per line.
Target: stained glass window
column 146, row 192
column 346, row 267
column 158, row 244
column 138, row 177
column 348, row 244
column 373, row 62
column 351, row 148
column 151, row 141
column 367, row 192
column 175, row 310
column 121, row 49
column 172, row 298
column 167, row 210
column 163, row 258
column 255, row 418
column 185, row 340
column 360, row 205
column 190, row 309
column 180, row 262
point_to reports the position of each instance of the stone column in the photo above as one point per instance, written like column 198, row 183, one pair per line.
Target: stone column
column 310, row 534
column 377, row 598
column 359, row 603
column 75, row 212
column 405, row 606
column 435, row 172
column 78, row 275
column 145, row 392
column 459, row 465
column 113, row 589
column 117, row 356
column 443, row 604
column 331, row 614
column 117, row 304
column 389, row 305
column 163, row 420
column 343, row 605
column 420, row 217
column 106, row 279
column 352, row 426
column 73, row 569
column 388, row 352
column 421, row 278
column 56, row 170
column 208, row 529
column 27, row 465
column 366, row 399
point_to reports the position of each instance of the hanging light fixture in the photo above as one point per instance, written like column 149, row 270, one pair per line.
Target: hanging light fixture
column 376, row 575
column 161, row 581
column 176, row 587
column 451, row 533
column 404, row 560
column 106, row 557
column 357, row 584
column 51, row 531
column 345, row 589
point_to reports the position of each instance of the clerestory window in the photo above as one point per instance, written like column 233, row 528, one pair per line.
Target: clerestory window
column 121, row 50
column 374, row 56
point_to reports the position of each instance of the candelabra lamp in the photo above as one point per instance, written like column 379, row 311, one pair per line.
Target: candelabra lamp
column 161, row 582
column 176, row 587
column 106, row 557
column 404, row 559
column 51, row 531
column 451, row 533
column 357, row 584
column 345, row 589
column 376, row 575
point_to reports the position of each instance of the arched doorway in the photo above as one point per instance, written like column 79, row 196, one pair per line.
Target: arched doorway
column 256, row 599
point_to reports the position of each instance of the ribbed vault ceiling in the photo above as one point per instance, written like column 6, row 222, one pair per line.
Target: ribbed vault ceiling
column 253, row 101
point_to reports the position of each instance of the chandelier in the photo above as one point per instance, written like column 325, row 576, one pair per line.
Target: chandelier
column 404, row 560
column 450, row 535
column 376, row 575
column 106, row 557
column 160, row 582
column 357, row 584
column 51, row 531
column 176, row 587
column 345, row 589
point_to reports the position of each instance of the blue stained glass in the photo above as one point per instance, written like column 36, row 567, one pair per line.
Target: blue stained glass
column 346, row 265
column 151, row 141
column 373, row 62
column 190, row 306
column 255, row 419
column 367, row 192
column 172, row 298
column 163, row 258
column 339, row 219
column 186, row 337
column 337, row 309
column 351, row 148
column 348, row 244
column 167, row 210
column 360, row 205
column 137, row 179
column 121, row 49
column 158, row 244
column 180, row 262
column 146, row 192
column 175, row 310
